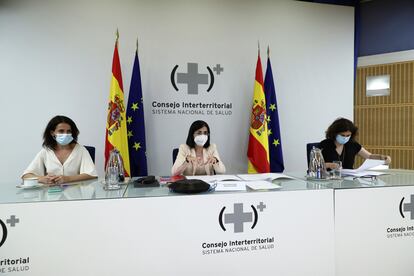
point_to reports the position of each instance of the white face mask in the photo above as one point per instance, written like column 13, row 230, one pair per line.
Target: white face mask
column 200, row 140
column 64, row 139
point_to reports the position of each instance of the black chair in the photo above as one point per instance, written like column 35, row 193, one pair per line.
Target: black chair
column 91, row 151
column 309, row 147
column 174, row 154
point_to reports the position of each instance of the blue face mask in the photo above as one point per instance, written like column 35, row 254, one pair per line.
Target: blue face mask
column 342, row 139
column 64, row 139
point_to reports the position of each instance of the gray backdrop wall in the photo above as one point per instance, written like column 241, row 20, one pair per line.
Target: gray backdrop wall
column 56, row 59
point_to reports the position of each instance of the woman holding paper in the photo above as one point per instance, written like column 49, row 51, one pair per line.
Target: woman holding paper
column 340, row 145
column 198, row 156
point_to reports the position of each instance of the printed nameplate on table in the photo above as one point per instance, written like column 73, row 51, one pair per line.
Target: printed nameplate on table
column 363, row 169
column 230, row 186
column 264, row 176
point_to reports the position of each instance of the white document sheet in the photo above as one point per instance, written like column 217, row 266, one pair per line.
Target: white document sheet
column 380, row 167
column 263, row 176
column 227, row 186
column 362, row 170
column 216, row 177
column 370, row 163
column 262, row 185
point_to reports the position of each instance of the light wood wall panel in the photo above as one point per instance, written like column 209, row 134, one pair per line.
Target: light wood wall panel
column 386, row 123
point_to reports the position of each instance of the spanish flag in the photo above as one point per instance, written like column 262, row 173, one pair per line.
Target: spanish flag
column 258, row 150
column 116, row 129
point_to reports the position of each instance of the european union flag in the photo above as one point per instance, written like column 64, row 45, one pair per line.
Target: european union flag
column 275, row 142
column 136, row 125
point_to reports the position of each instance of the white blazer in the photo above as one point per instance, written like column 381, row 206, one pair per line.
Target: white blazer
column 185, row 151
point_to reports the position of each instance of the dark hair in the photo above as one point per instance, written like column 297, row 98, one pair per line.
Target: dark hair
column 341, row 125
column 193, row 128
column 48, row 140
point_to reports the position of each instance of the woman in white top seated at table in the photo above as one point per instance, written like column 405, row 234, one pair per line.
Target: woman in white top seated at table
column 198, row 156
column 62, row 159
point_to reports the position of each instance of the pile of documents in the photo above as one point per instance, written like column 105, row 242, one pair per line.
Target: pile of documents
column 367, row 168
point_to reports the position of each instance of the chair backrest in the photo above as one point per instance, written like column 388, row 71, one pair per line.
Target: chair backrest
column 174, row 154
column 309, row 147
column 91, row 151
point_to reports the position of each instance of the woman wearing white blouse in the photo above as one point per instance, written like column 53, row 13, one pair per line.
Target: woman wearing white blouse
column 62, row 159
column 198, row 156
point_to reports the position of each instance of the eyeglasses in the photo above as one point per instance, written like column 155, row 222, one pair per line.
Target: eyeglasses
column 201, row 133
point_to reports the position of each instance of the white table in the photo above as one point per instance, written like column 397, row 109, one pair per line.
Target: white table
column 151, row 231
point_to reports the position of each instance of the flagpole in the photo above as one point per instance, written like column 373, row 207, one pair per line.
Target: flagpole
column 137, row 46
column 268, row 51
column 116, row 36
column 258, row 48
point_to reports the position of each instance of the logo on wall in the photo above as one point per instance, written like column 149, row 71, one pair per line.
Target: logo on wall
column 238, row 218
column 407, row 207
column 193, row 78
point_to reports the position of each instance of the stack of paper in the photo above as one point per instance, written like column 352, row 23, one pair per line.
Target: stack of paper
column 362, row 170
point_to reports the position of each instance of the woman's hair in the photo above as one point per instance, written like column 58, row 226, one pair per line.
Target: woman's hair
column 193, row 128
column 341, row 125
column 48, row 140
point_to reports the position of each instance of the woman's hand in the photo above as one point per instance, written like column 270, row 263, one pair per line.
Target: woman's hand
column 211, row 160
column 51, row 180
column 60, row 179
column 386, row 158
column 331, row 166
column 47, row 179
column 191, row 159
